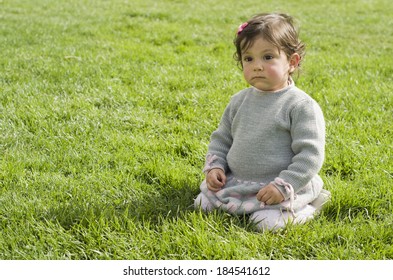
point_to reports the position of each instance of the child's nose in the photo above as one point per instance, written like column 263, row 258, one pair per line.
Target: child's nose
column 258, row 66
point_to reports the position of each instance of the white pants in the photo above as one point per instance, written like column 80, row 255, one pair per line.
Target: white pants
column 266, row 219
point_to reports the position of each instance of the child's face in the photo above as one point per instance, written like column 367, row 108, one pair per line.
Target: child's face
column 265, row 67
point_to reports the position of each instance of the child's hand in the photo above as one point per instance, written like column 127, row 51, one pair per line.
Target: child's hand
column 215, row 179
column 270, row 195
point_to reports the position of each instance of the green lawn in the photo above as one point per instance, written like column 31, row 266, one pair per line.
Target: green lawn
column 106, row 109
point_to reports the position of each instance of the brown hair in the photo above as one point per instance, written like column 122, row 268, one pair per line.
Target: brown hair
column 277, row 29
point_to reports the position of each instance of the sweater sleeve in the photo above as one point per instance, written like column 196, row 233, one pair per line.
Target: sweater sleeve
column 308, row 144
column 220, row 143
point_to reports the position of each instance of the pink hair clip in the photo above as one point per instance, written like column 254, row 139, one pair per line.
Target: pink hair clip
column 241, row 27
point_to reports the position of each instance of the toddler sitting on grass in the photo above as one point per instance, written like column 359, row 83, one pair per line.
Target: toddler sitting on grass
column 265, row 155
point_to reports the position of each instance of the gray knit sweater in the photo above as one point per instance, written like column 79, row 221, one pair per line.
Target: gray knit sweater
column 263, row 136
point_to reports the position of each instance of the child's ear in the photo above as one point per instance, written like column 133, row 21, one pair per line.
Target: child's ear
column 294, row 61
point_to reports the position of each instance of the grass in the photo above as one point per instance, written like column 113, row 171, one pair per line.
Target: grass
column 106, row 109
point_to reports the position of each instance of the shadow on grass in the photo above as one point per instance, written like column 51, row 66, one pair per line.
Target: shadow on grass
column 150, row 208
column 150, row 205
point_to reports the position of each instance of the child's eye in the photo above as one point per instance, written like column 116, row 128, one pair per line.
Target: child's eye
column 268, row 57
column 247, row 58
